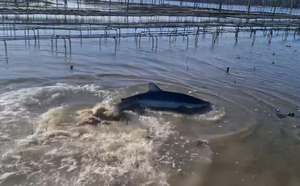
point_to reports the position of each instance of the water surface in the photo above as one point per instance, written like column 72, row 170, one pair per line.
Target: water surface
column 241, row 142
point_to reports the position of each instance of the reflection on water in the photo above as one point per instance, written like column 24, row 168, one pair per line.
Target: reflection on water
column 241, row 142
column 254, row 8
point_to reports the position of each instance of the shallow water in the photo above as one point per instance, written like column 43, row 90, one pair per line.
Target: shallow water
column 92, row 4
column 241, row 142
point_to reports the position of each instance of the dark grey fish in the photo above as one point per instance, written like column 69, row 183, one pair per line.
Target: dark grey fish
column 160, row 100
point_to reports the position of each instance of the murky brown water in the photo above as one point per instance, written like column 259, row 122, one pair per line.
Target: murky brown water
column 245, row 142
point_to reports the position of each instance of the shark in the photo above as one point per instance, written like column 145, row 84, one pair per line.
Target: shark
column 160, row 100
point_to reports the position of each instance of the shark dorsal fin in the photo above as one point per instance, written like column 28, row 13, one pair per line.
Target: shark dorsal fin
column 153, row 88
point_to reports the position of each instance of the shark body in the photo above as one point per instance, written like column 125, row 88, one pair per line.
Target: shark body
column 160, row 100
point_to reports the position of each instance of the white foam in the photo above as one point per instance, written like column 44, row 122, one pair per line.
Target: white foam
column 106, row 155
column 59, row 152
column 6, row 175
column 214, row 115
column 4, row 137
column 14, row 105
